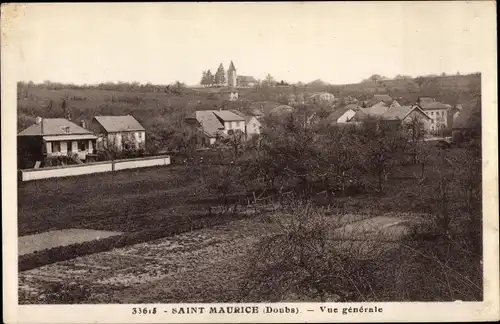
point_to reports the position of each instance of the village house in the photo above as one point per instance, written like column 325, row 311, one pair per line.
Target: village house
column 376, row 110
column 406, row 115
column 50, row 137
column 217, row 124
column 246, row 81
column 119, row 133
column 229, row 94
column 350, row 100
column 377, row 99
column 252, row 124
column 343, row 115
column 437, row 111
column 294, row 100
column 260, row 108
column 282, row 110
column 467, row 121
column 321, row 97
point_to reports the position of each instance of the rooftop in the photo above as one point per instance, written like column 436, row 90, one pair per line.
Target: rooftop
column 227, row 115
column 113, row 124
column 377, row 109
column 54, row 126
column 209, row 122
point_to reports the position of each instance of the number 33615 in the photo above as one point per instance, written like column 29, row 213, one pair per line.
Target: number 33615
column 143, row 310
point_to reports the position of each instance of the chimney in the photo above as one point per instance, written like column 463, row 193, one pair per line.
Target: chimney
column 83, row 123
column 69, row 116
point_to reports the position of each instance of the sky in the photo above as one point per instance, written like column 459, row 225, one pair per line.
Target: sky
column 160, row 43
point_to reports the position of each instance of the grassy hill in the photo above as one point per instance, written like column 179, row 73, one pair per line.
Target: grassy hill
column 161, row 109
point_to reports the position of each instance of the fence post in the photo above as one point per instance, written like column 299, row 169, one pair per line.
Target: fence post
column 112, row 165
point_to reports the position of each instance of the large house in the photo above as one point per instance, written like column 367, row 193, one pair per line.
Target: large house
column 50, row 137
column 119, row 133
column 437, row 111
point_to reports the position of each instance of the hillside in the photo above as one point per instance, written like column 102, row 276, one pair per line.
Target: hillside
column 161, row 109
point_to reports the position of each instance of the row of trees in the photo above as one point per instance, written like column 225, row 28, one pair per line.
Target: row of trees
column 209, row 79
column 176, row 87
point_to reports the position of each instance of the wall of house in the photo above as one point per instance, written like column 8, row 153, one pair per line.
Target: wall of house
column 117, row 140
column 253, row 126
column 233, row 125
column 348, row 115
column 439, row 119
column 89, row 168
column 69, row 147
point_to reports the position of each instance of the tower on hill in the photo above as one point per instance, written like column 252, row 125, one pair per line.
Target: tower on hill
column 231, row 75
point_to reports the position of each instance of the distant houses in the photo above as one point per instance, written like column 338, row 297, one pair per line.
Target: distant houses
column 52, row 137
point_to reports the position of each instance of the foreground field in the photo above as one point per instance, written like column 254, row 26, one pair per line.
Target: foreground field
column 168, row 270
column 123, row 201
column 214, row 256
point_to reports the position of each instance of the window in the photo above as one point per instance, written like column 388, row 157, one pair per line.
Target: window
column 139, row 135
column 432, row 113
column 82, row 146
column 229, row 124
column 70, row 146
column 56, row 147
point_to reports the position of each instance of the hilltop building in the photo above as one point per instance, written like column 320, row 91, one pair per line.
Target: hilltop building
column 230, row 79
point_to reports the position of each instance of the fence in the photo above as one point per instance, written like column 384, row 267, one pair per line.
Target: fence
column 96, row 167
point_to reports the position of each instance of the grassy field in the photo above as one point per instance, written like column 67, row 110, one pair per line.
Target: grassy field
column 124, row 201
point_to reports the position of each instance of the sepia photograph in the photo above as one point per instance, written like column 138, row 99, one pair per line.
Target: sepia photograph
column 251, row 154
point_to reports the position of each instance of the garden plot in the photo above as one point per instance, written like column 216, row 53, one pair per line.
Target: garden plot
column 52, row 239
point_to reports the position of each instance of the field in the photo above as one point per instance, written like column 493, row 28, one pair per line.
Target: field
column 211, row 256
column 127, row 201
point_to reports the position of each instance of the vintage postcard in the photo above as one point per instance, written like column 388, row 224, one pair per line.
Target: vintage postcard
column 249, row 162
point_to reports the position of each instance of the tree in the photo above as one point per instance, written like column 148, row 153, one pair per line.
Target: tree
column 415, row 133
column 204, row 79
column 269, row 81
column 220, row 75
column 235, row 141
column 210, row 78
column 420, row 82
column 383, row 145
